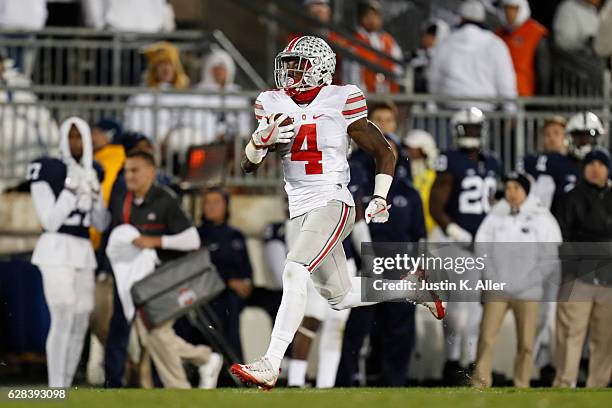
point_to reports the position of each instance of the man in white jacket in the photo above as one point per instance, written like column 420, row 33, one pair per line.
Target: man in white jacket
column 520, row 238
column 473, row 61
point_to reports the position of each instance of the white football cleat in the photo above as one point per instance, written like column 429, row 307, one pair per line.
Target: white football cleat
column 259, row 373
column 209, row 372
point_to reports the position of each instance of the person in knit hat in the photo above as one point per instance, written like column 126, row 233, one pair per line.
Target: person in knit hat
column 520, row 237
column 156, row 115
column 164, row 68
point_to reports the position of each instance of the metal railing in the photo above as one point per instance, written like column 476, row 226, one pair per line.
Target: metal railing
column 176, row 121
column 86, row 57
column 64, row 56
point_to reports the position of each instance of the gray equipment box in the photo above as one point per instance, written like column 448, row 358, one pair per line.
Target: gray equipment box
column 176, row 287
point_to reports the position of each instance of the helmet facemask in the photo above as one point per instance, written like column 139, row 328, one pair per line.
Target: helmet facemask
column 305, row 64
column 582, row 142
column 470, row 135
column 293, row 73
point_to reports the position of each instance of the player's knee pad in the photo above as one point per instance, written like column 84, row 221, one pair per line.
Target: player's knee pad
column 295, row 277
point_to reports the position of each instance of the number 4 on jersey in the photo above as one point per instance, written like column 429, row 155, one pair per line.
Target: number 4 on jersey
column 311, row 155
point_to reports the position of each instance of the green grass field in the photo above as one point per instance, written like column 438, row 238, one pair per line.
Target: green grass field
column 336, row 398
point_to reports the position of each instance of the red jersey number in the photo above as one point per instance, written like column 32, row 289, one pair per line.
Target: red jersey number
column 310, row 155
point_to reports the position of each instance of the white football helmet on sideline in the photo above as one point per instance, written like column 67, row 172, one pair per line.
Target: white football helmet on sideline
column 584, row 130
column 469, row 128
column 308, row 58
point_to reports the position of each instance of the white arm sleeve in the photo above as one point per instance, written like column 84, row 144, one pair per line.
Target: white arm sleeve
column 188, row 240
column 100, row 216
column 51, row 213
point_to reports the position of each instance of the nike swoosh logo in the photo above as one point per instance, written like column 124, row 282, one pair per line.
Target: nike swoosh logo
column 316, row 117
column 265, row 139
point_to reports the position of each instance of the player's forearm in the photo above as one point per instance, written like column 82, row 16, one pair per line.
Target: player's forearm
column 439, row 197
column 383, row 153
column 248, row 166
column 385, row 161
column 439, row 215
column 253, row 157
column 437, row 202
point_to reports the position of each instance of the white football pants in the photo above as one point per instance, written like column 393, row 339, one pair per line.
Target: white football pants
column 70, row 297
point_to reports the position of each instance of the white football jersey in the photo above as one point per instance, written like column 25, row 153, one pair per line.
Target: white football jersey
column 315, row 163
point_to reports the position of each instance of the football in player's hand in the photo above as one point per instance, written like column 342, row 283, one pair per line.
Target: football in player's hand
column 285, row 122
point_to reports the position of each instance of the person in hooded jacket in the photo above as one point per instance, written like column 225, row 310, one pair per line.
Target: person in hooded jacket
column 422, row 151
column 164, row 72
column 472, row 61
column 529, row 48
column 520, row 237
column 218, row 75
column 67, row 199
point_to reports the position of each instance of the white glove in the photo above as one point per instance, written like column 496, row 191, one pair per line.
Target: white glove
column 74, row 174
column 273, row 133
column 91, row 177
column 84, row 202
column 457, row 233
column 377, row 211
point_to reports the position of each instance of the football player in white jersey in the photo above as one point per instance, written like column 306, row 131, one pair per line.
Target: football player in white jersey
column 314, row 150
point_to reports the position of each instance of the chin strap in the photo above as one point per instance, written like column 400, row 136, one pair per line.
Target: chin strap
column 305, row 96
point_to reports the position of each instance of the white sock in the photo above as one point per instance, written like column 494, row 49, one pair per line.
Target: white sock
column 328, row 368
column 330, row 347
column 297, row 373
column 58, row 343
column 290, row 313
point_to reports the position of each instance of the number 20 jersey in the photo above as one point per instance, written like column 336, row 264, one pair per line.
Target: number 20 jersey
column 474, row 185
column 315, row 162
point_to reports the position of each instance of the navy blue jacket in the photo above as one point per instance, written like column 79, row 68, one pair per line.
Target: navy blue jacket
column 228, row 251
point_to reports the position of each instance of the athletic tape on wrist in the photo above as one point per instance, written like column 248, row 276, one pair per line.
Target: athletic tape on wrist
column 382, row 184
column 254, row 155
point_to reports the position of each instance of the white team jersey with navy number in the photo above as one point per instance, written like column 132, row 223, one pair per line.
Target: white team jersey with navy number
column 315, row 163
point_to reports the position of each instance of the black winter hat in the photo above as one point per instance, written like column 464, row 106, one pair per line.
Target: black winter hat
column 520, row 178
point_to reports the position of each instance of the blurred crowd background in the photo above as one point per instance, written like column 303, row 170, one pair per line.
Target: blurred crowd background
column 178, row 79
